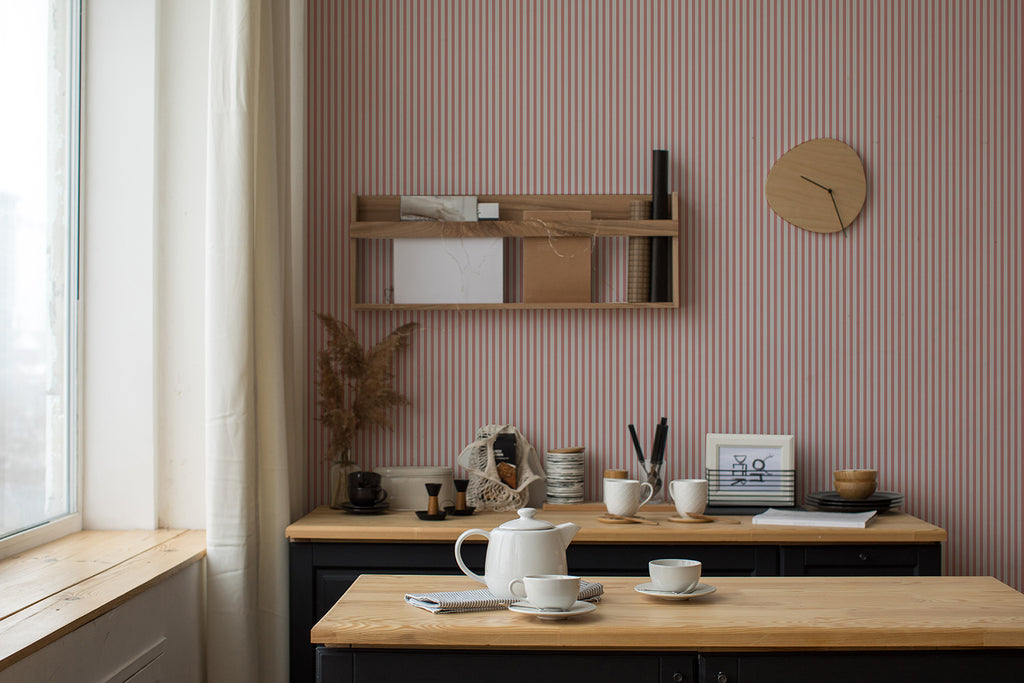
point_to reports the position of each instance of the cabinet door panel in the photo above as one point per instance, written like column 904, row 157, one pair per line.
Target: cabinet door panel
column 681, row 668
column 397, row 558
column 631, row 560
column 896, row 560
column 502, row 667
column 857, row 667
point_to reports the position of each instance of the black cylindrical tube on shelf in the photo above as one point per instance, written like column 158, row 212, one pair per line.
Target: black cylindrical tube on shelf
column 659, row 192
column 661, row 247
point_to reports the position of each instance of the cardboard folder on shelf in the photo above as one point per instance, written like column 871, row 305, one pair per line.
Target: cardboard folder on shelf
column 557, row 269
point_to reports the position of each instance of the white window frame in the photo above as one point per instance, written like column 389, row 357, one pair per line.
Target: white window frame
column 141, row 430
column 59, row 527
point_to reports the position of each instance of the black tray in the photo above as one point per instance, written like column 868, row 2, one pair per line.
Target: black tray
column 365, row 509
column 450, row 509
column 830, row 501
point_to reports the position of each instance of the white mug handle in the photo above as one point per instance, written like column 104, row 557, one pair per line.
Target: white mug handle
column 650, row 491
column 512, row 588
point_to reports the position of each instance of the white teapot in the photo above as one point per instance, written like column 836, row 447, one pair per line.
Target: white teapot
column 517, row 548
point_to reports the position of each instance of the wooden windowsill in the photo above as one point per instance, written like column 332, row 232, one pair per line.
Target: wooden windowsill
column 49, row 591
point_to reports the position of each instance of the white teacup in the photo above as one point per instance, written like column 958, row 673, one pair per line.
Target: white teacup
column 625, row 496
column 547, row 591
column 689, row 495
column 678, row 576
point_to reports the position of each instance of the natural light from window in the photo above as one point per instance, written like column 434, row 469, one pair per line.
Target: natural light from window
column 38, row 243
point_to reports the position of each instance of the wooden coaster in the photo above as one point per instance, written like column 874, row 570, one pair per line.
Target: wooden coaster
column 688, row 520
column 617, row 520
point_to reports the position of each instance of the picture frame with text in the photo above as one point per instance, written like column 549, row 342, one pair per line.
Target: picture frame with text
column 750, row 469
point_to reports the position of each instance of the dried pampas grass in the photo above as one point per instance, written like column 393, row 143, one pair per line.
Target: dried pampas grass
column 355, row 386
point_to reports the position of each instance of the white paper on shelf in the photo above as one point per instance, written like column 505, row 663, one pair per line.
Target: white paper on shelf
column 446, row 270
column 854, row 520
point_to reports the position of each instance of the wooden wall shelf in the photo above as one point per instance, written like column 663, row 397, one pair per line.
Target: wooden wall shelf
column 378, row 217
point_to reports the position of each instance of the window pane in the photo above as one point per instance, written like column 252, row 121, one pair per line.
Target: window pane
column 38, row 197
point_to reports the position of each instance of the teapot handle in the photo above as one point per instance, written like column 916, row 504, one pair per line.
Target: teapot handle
column 458, row 552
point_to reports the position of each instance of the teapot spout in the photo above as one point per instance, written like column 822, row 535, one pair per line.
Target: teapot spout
column 567, row 531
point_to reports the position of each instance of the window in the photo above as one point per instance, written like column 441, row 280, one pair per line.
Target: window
column 39, row 76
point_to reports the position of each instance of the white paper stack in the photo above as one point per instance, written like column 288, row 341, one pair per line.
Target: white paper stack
column 851, row 520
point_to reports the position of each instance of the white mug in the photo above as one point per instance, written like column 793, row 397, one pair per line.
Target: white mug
column 689, row 495
column 625, row 496
column 547, row 591
column 677, row 576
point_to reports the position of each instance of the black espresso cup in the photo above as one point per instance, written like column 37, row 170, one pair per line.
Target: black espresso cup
column 364, row 480
column 366, row 496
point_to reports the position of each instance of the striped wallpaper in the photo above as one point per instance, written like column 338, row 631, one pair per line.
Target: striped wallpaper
column 897, row 347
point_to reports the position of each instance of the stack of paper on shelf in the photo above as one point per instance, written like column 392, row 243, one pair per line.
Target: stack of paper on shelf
column 855, row 520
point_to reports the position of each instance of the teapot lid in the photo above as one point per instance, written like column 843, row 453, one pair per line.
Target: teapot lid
column 526, row 522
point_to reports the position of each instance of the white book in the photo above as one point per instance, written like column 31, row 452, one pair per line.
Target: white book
column 852, row 520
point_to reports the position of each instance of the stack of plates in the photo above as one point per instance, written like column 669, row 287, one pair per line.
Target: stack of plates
column 830, row 501
column 564, row 468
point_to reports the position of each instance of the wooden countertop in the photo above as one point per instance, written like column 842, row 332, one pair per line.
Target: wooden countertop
column 325, row 524
column 745, row 614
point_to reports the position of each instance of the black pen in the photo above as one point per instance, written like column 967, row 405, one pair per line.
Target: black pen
column 660, row 434
column 636, row 446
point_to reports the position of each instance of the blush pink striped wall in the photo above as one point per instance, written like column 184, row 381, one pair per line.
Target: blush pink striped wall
column 898, row 347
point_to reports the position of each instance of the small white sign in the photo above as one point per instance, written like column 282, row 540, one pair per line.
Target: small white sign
column 750, row 469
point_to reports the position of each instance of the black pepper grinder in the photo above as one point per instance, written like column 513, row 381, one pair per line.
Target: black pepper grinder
column 432, row 491
column 460, row 496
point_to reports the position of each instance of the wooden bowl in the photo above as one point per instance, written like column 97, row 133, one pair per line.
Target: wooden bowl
column 855, row 490
column 855, row 475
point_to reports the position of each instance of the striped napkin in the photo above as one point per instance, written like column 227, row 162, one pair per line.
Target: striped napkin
column 447, row 602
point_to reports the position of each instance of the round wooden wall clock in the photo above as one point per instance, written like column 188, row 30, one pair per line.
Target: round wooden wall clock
column 819, row 185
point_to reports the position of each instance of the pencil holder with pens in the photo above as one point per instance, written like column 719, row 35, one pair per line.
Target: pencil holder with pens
column 652, row 467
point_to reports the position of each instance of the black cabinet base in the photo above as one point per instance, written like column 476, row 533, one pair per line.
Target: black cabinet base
column 495, row 666
column 933, row 666
column 859, row 560
column 320, row 572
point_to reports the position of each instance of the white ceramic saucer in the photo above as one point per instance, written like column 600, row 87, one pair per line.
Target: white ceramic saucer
column 579, row 607
column 649, row 589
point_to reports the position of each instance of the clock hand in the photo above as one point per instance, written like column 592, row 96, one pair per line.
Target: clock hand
column 833, row 198
column 838, row 215
column 814, row 183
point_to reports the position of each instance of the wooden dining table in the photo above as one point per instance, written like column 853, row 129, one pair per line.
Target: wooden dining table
column 749, row 630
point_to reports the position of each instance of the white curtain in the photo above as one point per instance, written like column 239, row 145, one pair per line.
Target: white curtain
column 254, row 305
